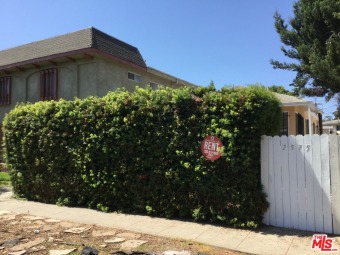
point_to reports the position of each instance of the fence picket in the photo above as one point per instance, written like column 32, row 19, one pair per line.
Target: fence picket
column 335, row 182
column 285, row 182
column 294, row 209
column 336, row 194
column 265, row 171
column 278, row 181
column 309, row 183
column 271, row 184
column 300, row 166
column 318, row 208
column 325, row 180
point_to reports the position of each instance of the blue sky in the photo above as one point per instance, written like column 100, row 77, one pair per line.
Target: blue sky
column 230, row 42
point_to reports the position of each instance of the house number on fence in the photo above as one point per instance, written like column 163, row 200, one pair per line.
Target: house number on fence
column 308, row 147
column 210, row 147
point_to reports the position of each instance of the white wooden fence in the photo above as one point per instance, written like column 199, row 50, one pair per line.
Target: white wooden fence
column 301, row 177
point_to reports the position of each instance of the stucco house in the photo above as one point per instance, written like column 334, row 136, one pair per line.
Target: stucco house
column 299, row 116
column 84, row 63
column 331, row 127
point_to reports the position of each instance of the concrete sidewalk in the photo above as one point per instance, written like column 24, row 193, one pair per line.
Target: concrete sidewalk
column 266, row 240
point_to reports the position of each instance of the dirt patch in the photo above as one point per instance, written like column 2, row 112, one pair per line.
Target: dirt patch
column 38, row 235
column 3, row 167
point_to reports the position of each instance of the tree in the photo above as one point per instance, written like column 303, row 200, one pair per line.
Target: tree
column 336, row 114
column 281, row 90
column 327, row 118
column 312, row 40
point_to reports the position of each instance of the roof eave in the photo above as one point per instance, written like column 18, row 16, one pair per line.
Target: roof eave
column 46, row 58
column 168, row 76
column 296, row 104
column 307, row 103
column 112, row 57
column 68, row 54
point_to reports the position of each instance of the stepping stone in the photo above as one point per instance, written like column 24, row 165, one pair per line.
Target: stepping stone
column 176, row 253
column 61, row 252
column 33, row 218
column 36, row 249
column 28, row 245
column 115, row 240
column 132, row 244
column 77, row 230
column 17, row 252
column 129, row 235
column 103, row 233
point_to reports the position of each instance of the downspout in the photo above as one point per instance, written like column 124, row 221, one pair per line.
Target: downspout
column 309, row 120
column 320, row 124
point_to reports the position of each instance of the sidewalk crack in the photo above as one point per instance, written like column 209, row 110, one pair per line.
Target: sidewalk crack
column 242, row 240
column 202, row 233
column 290, row 245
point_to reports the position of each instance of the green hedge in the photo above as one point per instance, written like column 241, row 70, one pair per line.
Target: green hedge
column 140, row 152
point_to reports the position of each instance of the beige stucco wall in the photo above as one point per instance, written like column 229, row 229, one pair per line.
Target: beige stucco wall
column 303, row 110
column 84, row 77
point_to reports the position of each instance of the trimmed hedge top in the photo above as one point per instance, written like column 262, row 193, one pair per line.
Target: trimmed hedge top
column 140, row 152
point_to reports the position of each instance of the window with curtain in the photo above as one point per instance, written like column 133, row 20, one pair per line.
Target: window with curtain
column 5, row 90
column 49, row 84
column 284, row 124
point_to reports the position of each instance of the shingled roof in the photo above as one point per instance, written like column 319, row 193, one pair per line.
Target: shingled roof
column 287, row 100
column 82, row 40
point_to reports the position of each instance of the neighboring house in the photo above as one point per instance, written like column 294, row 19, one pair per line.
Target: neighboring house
column 331, row 127
column 79, row 64
column 299, row 117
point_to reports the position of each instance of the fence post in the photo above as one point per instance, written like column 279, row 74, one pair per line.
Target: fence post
column 335, row 182
column 265, row 172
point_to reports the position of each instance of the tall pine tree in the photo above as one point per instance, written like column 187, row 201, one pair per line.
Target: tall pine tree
column 312, row 40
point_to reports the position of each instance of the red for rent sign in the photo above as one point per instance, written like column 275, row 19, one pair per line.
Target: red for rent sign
column 210, row 147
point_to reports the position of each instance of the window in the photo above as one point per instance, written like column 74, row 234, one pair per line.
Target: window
column 337, row 127
column 284, row 124
column 154, row 85
column 299, row 121
column 5, row 90
column 134, row 77
column 49, row 84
